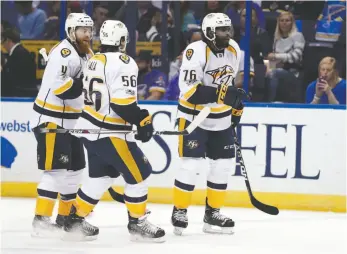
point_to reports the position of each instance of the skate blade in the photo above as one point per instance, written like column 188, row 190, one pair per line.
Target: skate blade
column 77, row 237
column 209, row 229
column 139, row 238
column 178, row 231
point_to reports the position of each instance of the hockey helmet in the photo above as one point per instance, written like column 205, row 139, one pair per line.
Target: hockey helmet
column 112, row 32
column 77, row 20
column 212, row 21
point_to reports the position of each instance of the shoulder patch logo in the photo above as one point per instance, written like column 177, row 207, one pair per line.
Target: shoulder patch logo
column 189, row 53
column 124, row 58
column 65, row 52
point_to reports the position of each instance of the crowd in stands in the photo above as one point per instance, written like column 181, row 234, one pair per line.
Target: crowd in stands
column 297, row 48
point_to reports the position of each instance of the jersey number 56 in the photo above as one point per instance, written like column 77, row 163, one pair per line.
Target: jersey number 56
column 92, row 97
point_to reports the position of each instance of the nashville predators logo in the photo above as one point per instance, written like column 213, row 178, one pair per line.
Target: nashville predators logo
column 222, row 75
column 192, row 144
column 189, row 53
column 65, row 52
column 124, row 58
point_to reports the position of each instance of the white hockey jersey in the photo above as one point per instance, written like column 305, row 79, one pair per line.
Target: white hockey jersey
column 64, row 64
column 200, row 63
column 109, row 78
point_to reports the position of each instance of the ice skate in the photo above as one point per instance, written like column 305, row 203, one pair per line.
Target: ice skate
column 179, row 220
column 78, row 229
column 43, row 227
column 217, row 223
column 142, row 230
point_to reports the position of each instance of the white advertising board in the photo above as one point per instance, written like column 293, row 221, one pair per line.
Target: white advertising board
column 286, row 150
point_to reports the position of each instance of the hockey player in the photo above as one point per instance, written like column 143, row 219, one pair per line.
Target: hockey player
column 111, row 81
column 206, row 80
column 58, row 104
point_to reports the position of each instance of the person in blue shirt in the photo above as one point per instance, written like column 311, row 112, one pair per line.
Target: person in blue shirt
column 31, row 20
column 151, row 83
column 329, row 88
column 173, row 90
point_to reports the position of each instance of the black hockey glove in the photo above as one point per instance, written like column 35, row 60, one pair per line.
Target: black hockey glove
column 145, row 127
column 236, row 115
column 230, row 95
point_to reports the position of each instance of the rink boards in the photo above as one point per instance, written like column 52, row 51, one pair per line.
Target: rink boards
column 295, row 156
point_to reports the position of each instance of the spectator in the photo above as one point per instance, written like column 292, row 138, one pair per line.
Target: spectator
column 213, row 7
column 329, row 88
column 153, row 34
column 304, row 10
column 52, row 26
column 5, row 25
column 18, row 76
column 74, row 7
column 151, row 83
column 260, row 43
column 173, row 90
column 187, row 16
column 286, row 57
column 100, row 14
column 31, row 20
column 234, row 8
column 146, row 12
column 51, row 31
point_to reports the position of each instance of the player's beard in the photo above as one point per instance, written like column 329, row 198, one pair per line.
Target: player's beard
column 83, row 46
column 222, row 43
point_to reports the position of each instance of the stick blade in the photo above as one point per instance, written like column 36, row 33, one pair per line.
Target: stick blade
column 198, row 119
column 264, row 207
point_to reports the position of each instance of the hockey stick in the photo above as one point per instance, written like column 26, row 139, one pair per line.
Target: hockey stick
column 195, row 123
column 256, row 203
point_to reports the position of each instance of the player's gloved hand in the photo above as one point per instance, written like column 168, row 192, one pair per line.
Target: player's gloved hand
column 236, row 115
column 145, row 127
column 230, row 95
column 77, row 87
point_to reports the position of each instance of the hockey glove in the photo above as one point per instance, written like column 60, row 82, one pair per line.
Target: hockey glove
column 230, row 95
column 236, row 115
column 145, row 127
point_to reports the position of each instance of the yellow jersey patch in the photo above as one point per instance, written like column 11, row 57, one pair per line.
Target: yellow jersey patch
column 65, row 52
column 189, row 53
column 124, row 58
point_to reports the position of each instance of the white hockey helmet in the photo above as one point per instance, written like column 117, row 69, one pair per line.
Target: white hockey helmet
column 112, row 32
column 212, row 21
column 77, row 20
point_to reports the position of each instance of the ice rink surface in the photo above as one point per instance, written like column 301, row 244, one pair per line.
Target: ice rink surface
column 290, row 232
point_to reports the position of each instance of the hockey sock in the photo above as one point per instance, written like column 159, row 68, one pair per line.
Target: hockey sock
column 182, row 194
column 136, row 205
column 135, row 197
column 65, row 203
column 217, row 182
column 84, row 204
column 216, row 194
column 45, row 202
